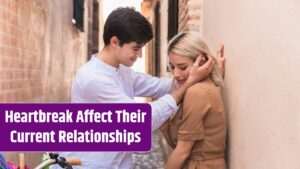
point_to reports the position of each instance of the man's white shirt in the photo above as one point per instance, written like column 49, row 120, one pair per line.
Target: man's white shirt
column 98, row 82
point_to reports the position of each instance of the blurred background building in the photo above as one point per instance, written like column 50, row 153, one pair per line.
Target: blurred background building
column 43, row 43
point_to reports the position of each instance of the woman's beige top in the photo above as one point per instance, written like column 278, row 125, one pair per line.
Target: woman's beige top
column 201, row 117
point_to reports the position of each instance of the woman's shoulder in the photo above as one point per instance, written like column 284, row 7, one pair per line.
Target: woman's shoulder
column 204, row 87
column 197, row 99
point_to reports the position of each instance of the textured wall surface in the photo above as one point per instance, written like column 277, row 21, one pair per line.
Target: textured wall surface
column 163, row 37
column 262, row 80
column 189, row 15
column 40, row 51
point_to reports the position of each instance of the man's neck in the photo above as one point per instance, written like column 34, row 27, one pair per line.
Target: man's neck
column 108, row 57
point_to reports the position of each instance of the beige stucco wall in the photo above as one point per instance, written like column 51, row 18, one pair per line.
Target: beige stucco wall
column 262, row 91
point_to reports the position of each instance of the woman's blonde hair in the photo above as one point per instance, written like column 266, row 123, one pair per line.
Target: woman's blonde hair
column 191, row 44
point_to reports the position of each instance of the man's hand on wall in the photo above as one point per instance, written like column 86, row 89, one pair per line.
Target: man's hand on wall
column 221, row 58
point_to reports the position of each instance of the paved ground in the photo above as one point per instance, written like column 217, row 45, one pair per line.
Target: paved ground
column 152, row 160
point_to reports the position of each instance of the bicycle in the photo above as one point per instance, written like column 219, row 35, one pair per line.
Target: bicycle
column 65, row 163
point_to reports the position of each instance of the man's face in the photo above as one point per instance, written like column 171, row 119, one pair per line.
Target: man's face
column 128, row 53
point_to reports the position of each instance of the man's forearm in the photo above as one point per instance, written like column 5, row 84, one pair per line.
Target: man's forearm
column 179, row 92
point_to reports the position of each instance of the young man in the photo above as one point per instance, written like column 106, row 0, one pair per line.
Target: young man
column 107, row 78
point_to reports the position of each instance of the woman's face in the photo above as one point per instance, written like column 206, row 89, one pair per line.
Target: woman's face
column 180, row 67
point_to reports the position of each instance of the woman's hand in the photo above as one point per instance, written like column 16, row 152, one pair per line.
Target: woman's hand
column 180, row 154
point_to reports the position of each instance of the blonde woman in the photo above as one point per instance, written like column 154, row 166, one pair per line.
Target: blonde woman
column 198, row 130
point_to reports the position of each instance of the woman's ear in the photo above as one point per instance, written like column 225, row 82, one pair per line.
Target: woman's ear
column 203, row 60
column 205, row 55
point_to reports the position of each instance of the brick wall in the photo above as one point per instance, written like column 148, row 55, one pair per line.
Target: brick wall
column 40, row 50
column 189, row 15
column 182, row 15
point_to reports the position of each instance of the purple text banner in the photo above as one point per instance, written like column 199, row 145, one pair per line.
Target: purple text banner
column 75, row 127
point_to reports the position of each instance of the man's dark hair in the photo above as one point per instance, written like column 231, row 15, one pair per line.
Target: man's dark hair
column 128, row 25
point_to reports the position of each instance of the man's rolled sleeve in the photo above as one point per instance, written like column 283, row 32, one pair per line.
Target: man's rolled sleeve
column 162, row 109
